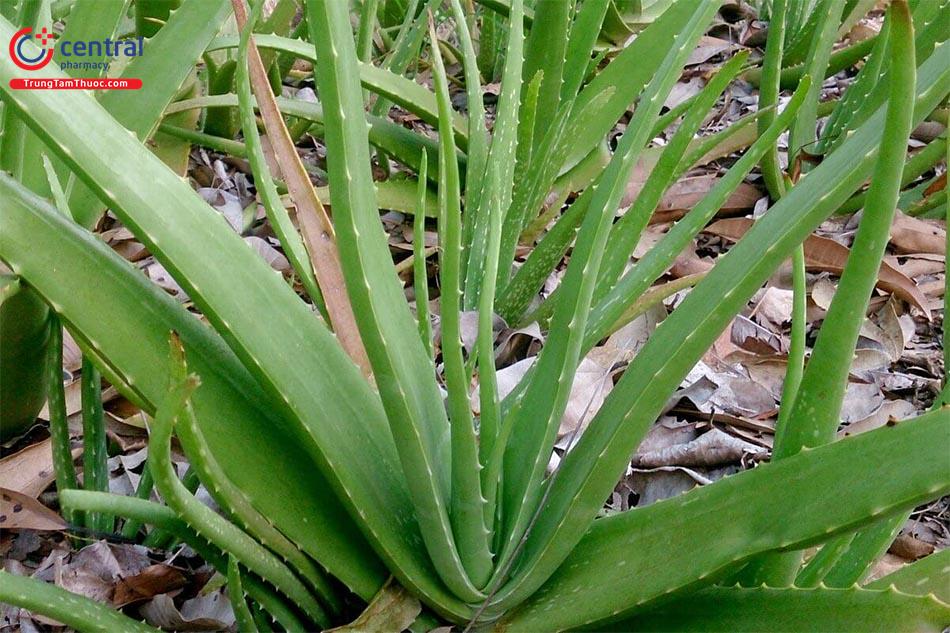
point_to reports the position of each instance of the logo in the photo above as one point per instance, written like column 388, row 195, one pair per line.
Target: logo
column 81, row 55
column 44, row 40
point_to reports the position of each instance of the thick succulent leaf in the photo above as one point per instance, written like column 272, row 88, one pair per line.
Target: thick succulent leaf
column 335, row 414
column 364, row 34
column 165, row 519
column 631, row 559
column 238, row 506
column 546, row 53
column 929, row 575
column 477, row 133
column 581, row 45
column 406, row 48
column 79, row 612
column 769, row 90
column 821, row 393
column 91, row 20
column 731, row 609
column 652, row 265
column 870, row 89
column 95, row 445
column 466, row 503
column 277, row 213
column 88, row 20
column 218, row 530
column 503, row 155
column 242, row 614
column 25, row 331
column 420, row 272
column 532, row 188
column 20, row 150
column 591, row 469
column 401, row 367
column 117, row 312
column 534, row 421
column 823, row 36
column 867, row 546
column 669, row 167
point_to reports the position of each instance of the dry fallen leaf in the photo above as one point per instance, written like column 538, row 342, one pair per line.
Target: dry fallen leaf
column 827, row 255
column 392, row 609
column 889, row 411
column 752, row 337
column 210, row 612
column 774, row 306
column 708, row 47
column 151, row 581
column 906, row 546
column 73, row 398
column 684, row 90
column 689, row 263
column 712, row 448
column 914, row 235
column 95, row 570
column 30, row 471
column 18, row 512
column 271, row 255
column 861, row 401
column 688, row 192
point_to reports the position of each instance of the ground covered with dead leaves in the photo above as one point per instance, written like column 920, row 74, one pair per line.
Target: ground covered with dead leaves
column 721, row 421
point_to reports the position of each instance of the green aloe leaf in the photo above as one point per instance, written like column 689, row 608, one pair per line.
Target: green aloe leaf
column 211, row 262
column 25, row 329
column 167, row 520
column 628, row 561
column 406, row 48
column 401, row 367
column 79, row 612
column 58, row 427
column 89, row 20
column 730, row 609
column 803, row 132
column 529, row 195
column 239, row 507
column 628, row 73
column 277, row 214
column 95, row 444
column 592, row 467
column 242, row 614
column 581, row 45
column 818, row 403
column 466, row 502
column 420, row 273
column 670, row 166
column 925, row 576
column 869, row 90
column 546, row 53
column 477, row 133
column 502, row 155
column 116, row 312
column 867, row 546
column 535, row 419
column 221, row 533
column 651, row 266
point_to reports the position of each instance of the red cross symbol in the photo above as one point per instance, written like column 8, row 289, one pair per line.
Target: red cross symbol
column 44, row 37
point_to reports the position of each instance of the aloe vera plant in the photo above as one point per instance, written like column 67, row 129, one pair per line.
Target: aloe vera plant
column 332, row 477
